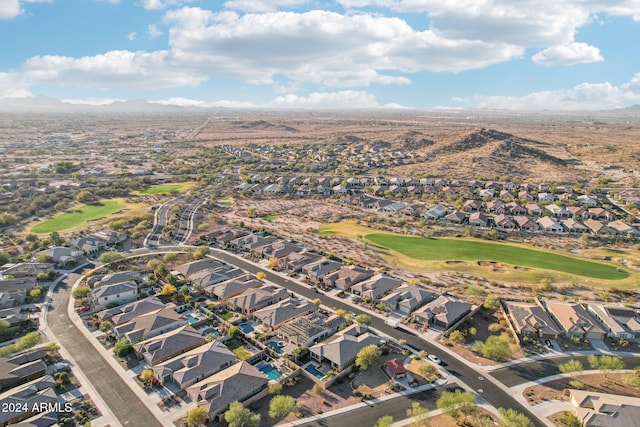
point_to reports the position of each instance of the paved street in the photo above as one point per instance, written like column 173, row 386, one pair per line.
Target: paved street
column 537, row 369
column 124, row 404
column 476, row 380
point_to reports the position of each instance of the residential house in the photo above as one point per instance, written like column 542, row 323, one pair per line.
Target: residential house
column 25, row 269
column 277, row 249
column 310, row 329
column 113, row 278
column 472, row 206
column 13, row 316
column 396, row 368
column 346, row 277
column 495, row 207
column 531, row 320
column 124, row 313
column 211, row 277
column 62, row 257
column 88, row 245
column 376, row 287
column 187, row 270
column 601, row 213
column 275, row 315
column 514, row 208
column 341, row 350
column 577, row 211
column 443, row 312
column 605, row 409
column 256, row 298
column 23, row 368
column 478, row 219
column 503, row 222
column 234, row 287
column 406, row 299
column 526, row 224
column 296, row 260
column 150, row 325
column 534, row 209
column 598, row 227
column 574, row 226
column 195, row 365
column 316, row 271
column 620, row 228
column 545, row 197
column 116, row 294
column 456, row 217
column 168, row 345
column 587, row 200
column 240, row 382
column 433, row 212
column 558, row 211
column 110, row 237
column 575, row 320
column 619, row 321
column 13, row 292
column 18, row 404
column 252, row 241
column 550, row 225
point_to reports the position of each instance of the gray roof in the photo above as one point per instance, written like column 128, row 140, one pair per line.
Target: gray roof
column 276, row 314
column 445, row 309
column 201, row 361
column 148, row 324
column 236, row 286
column 234, row 383
column 377, row 286
column 256, row 298
column 343, row 347
column 124, row 313
column 195, row 266
column 115, row 289
column 162, row 347
column 530, row 318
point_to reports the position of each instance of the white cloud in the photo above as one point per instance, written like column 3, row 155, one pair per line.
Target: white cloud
column 185, row 102
column 585, row 96
column 321, row 47
column 341, row 99
column 132, row 36
column 92, row 101
column 12, row 85
column 9, row 9
column 153, row 31
column 159, row 69
column 569, row 54
column 162, row 4
column 262, row 5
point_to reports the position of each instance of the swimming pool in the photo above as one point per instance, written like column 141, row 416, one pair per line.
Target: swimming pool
column 269, row 370
column 210, row 331
column 274, row 347
column 246, row 328
column 314, row 371
column 192, row 319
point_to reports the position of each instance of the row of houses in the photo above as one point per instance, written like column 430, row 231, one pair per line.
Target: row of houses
column 592, row 320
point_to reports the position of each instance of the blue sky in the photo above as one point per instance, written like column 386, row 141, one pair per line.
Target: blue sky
column 507, row 54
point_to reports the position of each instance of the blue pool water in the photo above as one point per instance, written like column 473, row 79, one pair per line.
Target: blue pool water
column 316, row 373
column 246, row 328
column 192, row 319
column 275, row 347
column 210, row 331
column 269, row 371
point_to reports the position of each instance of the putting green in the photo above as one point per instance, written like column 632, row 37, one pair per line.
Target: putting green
column 167, row 188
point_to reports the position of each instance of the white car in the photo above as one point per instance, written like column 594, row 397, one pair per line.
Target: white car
column 434, row 359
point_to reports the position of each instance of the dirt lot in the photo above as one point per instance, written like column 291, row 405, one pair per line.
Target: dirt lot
column 595, row 382
column 337, row 396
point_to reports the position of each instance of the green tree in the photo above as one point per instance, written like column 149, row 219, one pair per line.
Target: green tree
column 35, row 292
column 44, row 259
column 632, row 379
column 197, row 417
column 168, row 289
column 109, row 257
column 457, row 337
column 280, row 406
column 420, row 415
column 512, row 418
column 275, row 387
column 605, row 363
column 106, row 326
column 495, row 328
column 260, row 275
column 4, row 258
column 368, row 356
column 80, row 292
column 386, row 421
column 239, row 416
column 170, row 257
column 122, row 347
column 491, row 302
column 569, row 420
column 4, row 325
column 573, row 367
column 496, row 348
column 363, row 319
column 457, row 403
column 234, row 331
column 146, row 375
column 201, row 252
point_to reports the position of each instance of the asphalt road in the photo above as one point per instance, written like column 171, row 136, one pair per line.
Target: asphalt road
column 475, row 379
column 536, row 369
column 369, row 415
column 124, row 404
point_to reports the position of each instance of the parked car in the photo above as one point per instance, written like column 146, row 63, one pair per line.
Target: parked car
column 435, row 359
column 83, row 309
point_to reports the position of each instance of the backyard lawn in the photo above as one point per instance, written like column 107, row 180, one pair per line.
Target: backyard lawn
column 79, row 216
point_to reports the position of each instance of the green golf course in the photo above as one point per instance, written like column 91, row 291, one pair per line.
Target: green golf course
column 79, row 216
